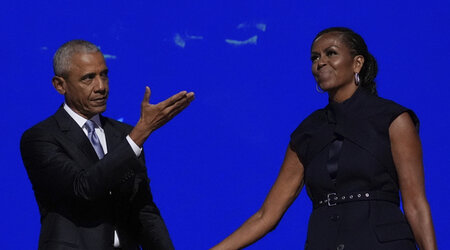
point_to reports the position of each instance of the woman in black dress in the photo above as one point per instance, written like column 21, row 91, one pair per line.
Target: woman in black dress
column 354, row 157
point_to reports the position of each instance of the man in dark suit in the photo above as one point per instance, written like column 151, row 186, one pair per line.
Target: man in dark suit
column 87, row 171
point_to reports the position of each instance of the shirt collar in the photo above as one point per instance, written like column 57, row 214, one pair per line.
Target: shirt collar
column 81, row 120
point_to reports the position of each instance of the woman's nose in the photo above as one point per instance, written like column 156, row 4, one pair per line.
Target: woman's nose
column 321, row 62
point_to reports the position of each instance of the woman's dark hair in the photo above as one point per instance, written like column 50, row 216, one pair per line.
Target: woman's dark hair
column 357, row 46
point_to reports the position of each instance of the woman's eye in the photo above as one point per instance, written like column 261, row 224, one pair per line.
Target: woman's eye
column 313, row 58
column 331, row 52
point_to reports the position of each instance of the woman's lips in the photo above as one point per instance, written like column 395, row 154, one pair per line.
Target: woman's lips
column 322, row 75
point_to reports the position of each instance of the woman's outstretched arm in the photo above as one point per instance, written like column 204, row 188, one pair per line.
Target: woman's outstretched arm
column 286, row 188
column 407, row 155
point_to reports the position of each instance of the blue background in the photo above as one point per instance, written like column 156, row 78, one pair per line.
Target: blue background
column 212, row 166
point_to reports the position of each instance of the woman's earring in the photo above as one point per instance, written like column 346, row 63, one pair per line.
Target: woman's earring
column 318, row 89
column 357, row 81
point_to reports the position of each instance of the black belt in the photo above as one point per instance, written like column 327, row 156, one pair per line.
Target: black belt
column 333, row 199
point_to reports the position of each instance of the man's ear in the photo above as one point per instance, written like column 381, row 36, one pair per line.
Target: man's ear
column 59, row 83
column 358, row 62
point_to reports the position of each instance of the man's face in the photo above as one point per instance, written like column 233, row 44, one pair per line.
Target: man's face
column 85, row 86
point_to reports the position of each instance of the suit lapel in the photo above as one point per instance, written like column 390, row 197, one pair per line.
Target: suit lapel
column 113, row 135
column 75, row 134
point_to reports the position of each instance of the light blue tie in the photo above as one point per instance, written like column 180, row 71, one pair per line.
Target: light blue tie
column 90, row 126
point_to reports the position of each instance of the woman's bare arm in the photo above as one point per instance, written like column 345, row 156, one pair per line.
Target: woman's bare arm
column 286, row 188
column 407, row 155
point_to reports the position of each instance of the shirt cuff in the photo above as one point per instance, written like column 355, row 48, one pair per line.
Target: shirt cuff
column 137, row 150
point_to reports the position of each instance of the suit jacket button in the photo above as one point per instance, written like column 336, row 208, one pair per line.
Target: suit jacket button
column 335, row 217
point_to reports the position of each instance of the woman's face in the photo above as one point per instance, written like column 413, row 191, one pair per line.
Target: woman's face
column 333, row 65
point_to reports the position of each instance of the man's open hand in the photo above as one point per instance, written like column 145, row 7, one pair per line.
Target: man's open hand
column 154, row 116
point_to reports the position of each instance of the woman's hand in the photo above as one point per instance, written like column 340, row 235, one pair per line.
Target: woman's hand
column 286, row 188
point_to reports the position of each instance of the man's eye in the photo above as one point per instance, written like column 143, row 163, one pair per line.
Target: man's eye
column 88, row 77
column 87, row 81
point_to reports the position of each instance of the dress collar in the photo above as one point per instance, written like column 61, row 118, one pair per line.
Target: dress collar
column 348, row 100
column 337, row 111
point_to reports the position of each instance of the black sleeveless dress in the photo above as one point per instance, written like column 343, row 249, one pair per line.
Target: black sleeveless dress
column 350, row 175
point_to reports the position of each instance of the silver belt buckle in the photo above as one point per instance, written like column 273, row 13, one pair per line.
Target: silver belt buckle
column 330, row 199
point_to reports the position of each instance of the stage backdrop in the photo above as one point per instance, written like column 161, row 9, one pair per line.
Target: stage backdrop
column 248, row 64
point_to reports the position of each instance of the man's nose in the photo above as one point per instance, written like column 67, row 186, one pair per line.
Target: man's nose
column 100, row 84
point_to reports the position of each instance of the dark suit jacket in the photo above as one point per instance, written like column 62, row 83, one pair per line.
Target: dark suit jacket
column 82, row 199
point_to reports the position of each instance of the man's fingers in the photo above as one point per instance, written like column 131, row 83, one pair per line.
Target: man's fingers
column 171, row 100
column 159, row 114
column 178, row 106
column 174, row 110
column 147, row 94
column 190, row 96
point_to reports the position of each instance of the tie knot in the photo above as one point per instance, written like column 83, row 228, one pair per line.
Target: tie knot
column 90, row 126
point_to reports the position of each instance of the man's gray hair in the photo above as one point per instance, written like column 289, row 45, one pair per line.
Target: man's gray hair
column 63, row 56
